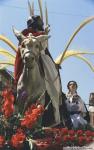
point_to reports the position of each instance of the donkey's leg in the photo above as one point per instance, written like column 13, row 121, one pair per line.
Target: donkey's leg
column 48, row 116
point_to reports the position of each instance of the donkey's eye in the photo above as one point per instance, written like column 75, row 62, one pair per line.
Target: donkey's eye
column 22, row 50
column 23, row 45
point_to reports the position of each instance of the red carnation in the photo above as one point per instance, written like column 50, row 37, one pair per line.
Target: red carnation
column 92, row 133
column 72, row 138
column 29, row 110
column 71, row 132
column 88, row 139
column 2, row 141
column 18, row 139
column 31, row 116
column 8, row 106
column 64, row 131
column 8, row 113
column 28, row 121
column 88, row 133
column 79, row 132
column 7, row 94
column 66, row 138
column 81, row 140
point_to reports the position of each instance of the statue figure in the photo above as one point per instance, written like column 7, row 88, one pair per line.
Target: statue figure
column 36, row 72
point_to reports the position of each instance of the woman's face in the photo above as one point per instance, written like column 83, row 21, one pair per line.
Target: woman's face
column 92, row 96
column 72, row 87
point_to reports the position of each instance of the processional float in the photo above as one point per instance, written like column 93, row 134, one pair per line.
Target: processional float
column 26, row 132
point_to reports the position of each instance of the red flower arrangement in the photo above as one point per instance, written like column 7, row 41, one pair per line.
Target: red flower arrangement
column 79, row 132
column 18, row 139
column 32, row 115
column 12, row 131
column 8, row 106
column 64, row 137
column 15, row 130
column 2, row 141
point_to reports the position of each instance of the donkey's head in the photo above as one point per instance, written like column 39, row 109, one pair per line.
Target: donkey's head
column 31, row 47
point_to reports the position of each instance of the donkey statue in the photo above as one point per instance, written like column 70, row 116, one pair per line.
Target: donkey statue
column 38, row 78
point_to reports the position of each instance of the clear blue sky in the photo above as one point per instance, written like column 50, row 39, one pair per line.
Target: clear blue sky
column 64, row 17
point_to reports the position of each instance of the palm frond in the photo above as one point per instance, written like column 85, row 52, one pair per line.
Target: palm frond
column 86, row 61
column 70, row 53
column 85, row 22
column 7, row 54
column 2, row 66
column 11, row 63
column 7, row 41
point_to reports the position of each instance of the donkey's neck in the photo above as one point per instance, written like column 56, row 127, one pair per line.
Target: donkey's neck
column 31, row 75
column 33, row 82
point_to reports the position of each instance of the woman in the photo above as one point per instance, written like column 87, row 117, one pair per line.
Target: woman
column 75, row 106
column 91, row 108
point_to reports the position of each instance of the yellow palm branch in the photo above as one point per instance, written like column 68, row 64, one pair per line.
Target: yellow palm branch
column 7, row 54
column 2, row 66
column 77, row 54
column 86, row 61
column 88, row 20
column 70, row 53
column 7, row 41
column 7, row 63
column 10, row 61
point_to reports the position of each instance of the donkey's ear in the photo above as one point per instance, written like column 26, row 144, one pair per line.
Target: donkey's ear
column 42, row 38
column 18, row 34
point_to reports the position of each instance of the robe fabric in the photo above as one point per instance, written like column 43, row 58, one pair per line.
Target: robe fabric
column 77, row 110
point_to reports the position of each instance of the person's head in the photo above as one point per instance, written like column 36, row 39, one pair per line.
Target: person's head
column 72, row 86
column 91, row 97
column 35, row 23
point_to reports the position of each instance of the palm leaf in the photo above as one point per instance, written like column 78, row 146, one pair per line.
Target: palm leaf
column 70, row 53
column 11, row 63
column 86, row 61
column 7, row 41
column 2, row 66
column 7, row 54
column 88, row 20
column 77, row 54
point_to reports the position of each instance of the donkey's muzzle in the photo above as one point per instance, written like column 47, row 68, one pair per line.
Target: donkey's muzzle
column 28, row 58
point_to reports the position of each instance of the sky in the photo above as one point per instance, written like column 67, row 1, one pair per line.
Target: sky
column 64, row 18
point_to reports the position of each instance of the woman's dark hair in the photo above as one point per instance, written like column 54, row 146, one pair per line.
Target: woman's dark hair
column 91, row 99
column 91, row 94
column 74, row 82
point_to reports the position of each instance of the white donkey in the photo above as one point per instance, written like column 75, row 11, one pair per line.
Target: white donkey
column 33, row 79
